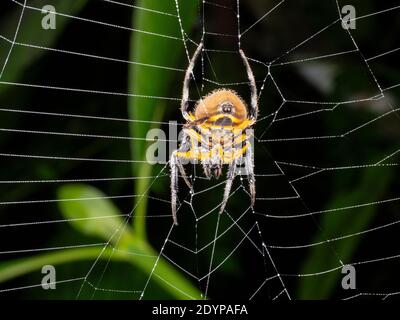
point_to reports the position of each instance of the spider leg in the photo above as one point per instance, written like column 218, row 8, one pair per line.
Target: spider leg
column 186, row 81
column 249, row 164
column 175, row 160
column 174, row 187
column 253, row 86
column 176, row 166
column 207, row 170
column 230, row 177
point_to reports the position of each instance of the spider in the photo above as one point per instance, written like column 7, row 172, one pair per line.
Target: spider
column 214, row 134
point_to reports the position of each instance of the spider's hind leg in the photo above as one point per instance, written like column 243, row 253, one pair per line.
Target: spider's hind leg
column 249, row 165
column 228, row 186
column 174, row 186
column 207, row 170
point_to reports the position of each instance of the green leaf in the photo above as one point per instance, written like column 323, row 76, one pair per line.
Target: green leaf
column 167, row 277
column 99, row 217
column 15, row 268
column 93, row 215
column 160, row 52
column 371, row 187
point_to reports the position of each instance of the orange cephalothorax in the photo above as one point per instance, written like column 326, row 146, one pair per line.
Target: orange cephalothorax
column 221, row 105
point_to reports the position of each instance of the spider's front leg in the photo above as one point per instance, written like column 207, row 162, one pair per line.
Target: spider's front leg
column 176, row 167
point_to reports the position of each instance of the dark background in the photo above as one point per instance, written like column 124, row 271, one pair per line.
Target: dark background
column 308, row 86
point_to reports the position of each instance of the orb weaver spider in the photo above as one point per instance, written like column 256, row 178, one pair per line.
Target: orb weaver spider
column 215, row 134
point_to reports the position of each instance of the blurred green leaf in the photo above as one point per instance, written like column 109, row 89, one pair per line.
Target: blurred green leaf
column 15, row 268
column 99, row 217
column 102, row 219
column 153, row 81
column 372, row 187
column 95, row 216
